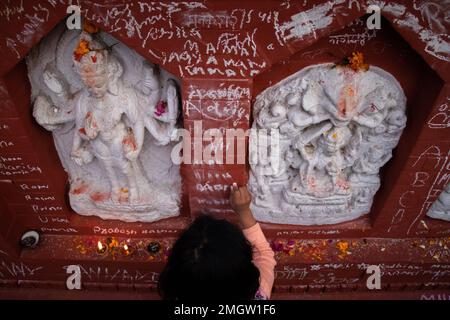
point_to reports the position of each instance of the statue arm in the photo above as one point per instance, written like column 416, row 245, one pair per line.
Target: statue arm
column 80, row 153
column 162, row 122
column 168, row 112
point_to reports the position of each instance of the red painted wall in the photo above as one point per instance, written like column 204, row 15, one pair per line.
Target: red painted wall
column 226, row 53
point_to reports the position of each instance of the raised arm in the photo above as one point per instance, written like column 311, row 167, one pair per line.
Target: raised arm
column 160, row 119
column 263, row 255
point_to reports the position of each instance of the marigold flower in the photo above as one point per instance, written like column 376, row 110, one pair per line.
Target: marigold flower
column 356, row 62
column 81, row 49
column 342, row 246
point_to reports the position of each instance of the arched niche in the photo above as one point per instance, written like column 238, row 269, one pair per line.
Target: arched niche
column 391, row 56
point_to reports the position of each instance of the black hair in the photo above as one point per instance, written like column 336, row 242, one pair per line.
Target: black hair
column 212, row 260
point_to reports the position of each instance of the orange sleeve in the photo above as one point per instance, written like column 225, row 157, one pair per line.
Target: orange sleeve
column 263, row 258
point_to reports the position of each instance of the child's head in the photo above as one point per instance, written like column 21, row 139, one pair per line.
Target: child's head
column 211, row 260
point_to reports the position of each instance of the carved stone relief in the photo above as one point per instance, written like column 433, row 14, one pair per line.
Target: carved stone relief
column 337, row 127
column 112, row 115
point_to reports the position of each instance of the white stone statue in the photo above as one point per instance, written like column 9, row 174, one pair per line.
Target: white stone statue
column 440, row 209
column 337, row 129
column 112, row 115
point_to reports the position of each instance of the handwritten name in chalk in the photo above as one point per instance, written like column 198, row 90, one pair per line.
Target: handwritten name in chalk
column 5, row 158
column 238, row 44
column 355, row 38
column 207, row 187
column 102, row 230
column 291, row 273
column 46, row 219
column 218, row 111
column 158, row 231
column 325, row 232
column 59, row 230
column 208, row 20
column 208, row 175
column 116, row 274
column 128, row 232
column 33, row 187
column 334, row 266
column 39, row 198
column 435, row 275
column 396, row 265
column 19, row 170
column 40, row 209
column 289, row 233
column 221, row 91
column 210, row 202
column 230, row 67
column 331, row 278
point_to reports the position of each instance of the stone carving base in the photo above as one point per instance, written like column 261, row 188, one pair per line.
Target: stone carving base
column 148, row 211
column 309, row 215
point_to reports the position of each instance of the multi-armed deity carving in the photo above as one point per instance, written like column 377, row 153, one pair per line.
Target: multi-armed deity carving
column 337, row 128
column 112, row 115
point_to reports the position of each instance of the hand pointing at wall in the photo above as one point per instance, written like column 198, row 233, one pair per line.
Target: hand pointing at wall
column 240, row 200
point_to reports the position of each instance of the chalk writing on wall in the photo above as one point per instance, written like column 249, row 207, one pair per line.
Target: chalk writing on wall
column 100, row 273
column 17, row 269
column 290, row 273
column 129, row 232
column 441, row 180
column 441, row 119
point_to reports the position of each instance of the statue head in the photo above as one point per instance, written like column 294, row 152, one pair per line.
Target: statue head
column 98, row 69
